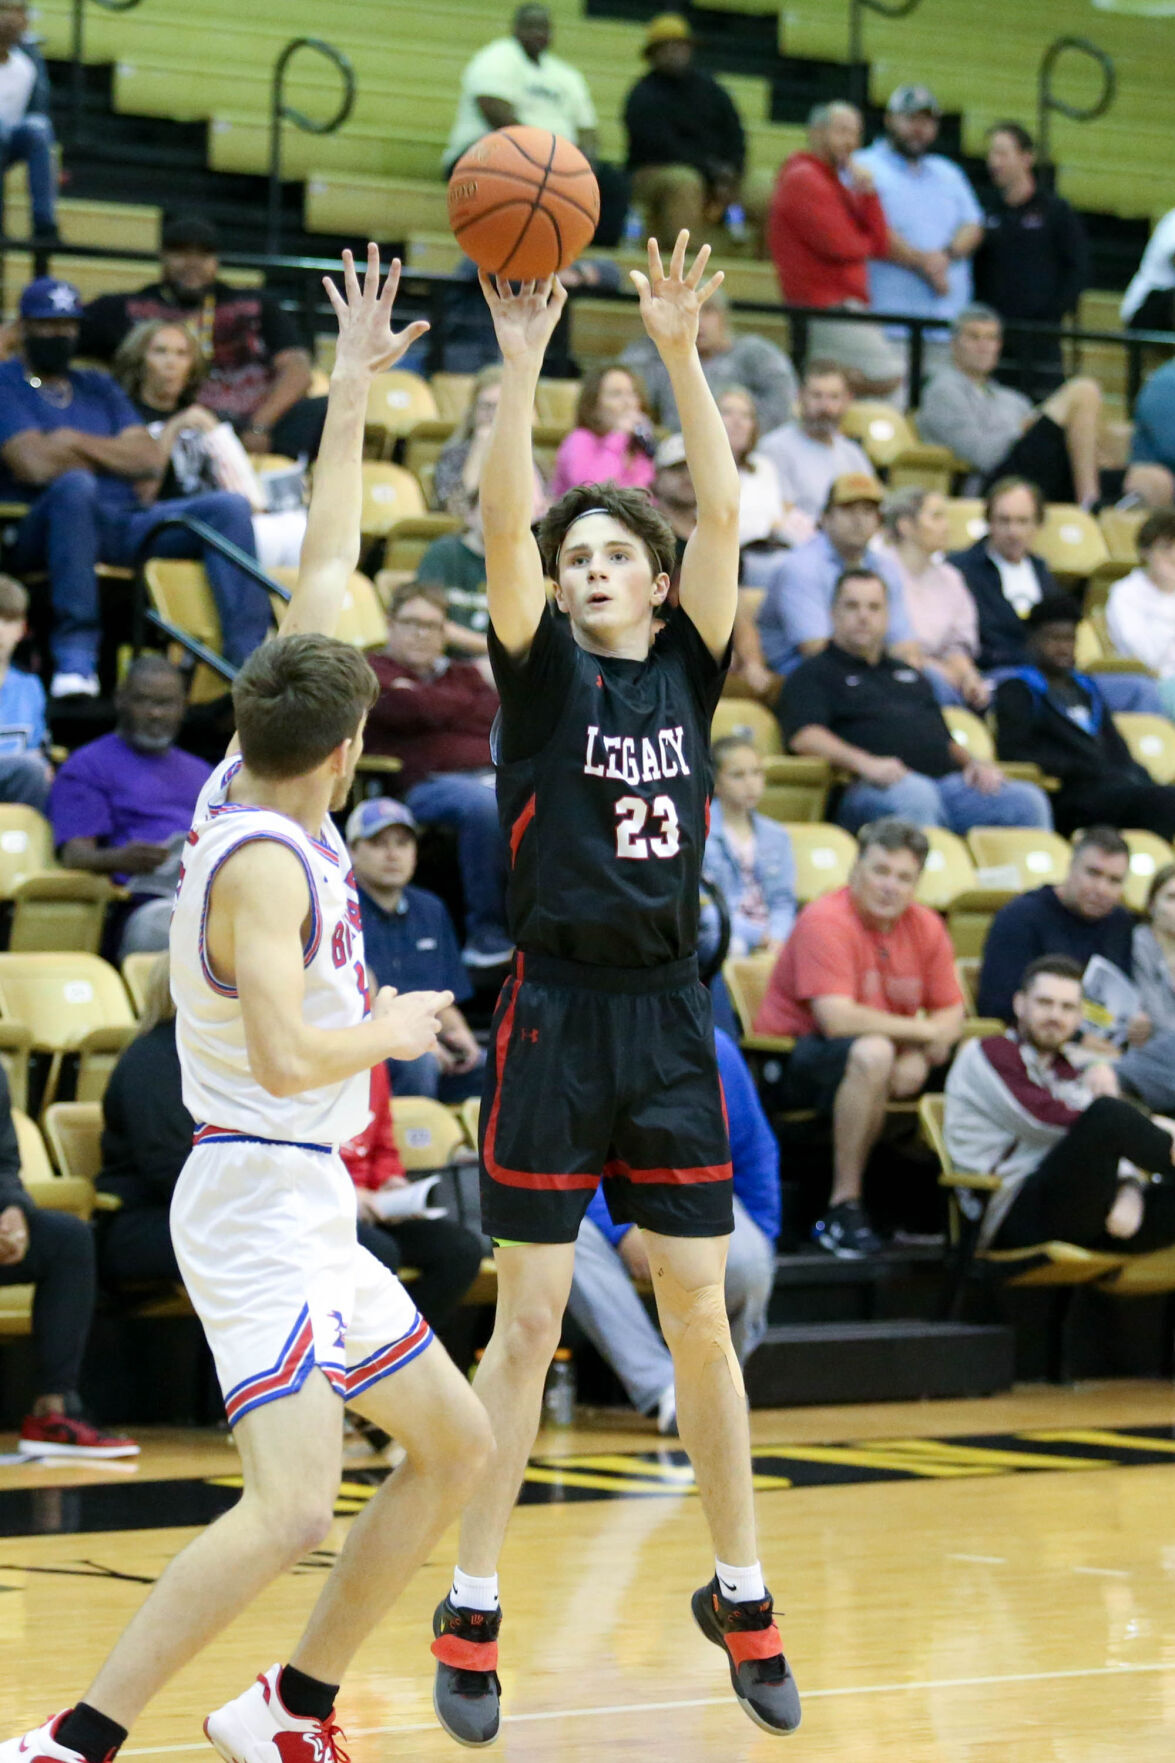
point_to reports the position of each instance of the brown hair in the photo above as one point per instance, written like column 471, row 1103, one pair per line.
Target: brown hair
column 823, row 368
column 490, row 375
column 587, row 409
column 1158, row 882
column 14, row 600
column 158, row 1004
column 1157, row 529
column 1106, row 839
column 632, row 508
column 130, row 361
column 742, row 392
column 433, row 592
column 1059, row 966
column 1003, row 486
column 893, row 834
column 296, row 698
column 725, row 745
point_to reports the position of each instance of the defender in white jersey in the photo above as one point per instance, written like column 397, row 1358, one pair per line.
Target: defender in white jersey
column 277, row 1034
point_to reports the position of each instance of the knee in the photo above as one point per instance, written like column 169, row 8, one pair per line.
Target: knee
column 231, row 514
column 459, row 1443
column 908, row 1076
column 77, row 488
column 66, row 1240
column 531, row 1334
column 1027, row 805
column 300, row 1522
column 696, row 1327
column 1153, row 483
column 871, row 1060
column 1084, row 391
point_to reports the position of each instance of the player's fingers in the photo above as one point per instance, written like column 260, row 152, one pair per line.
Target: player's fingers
column 712, row 286
column 677, row 261
column 699, row 264
column 335, row 298
column 640, row 282
column 656, row 267
column 558, row 295
column 391, row 285
column 350, row 279
column 487, row 287
column 371, row 273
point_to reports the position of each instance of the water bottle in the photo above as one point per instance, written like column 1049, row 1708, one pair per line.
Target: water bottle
column 559, row 1395
column 735, row 221
column 634, row 229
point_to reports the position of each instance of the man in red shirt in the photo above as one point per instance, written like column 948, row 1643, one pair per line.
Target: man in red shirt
column 824, row 225
column 866, row 983
column 435, row 716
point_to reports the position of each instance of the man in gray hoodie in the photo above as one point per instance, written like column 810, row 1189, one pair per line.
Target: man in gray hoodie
column 1075, row 1160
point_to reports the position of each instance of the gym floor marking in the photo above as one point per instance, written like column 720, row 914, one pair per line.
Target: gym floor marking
column 608, row 1475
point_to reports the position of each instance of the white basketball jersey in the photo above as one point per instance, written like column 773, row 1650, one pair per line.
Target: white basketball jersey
column 220, row 1093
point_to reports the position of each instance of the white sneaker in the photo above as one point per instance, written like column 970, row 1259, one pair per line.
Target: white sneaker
column 667, row 1410
column 74, row 685
column 39, row 1746
column 258, row 1728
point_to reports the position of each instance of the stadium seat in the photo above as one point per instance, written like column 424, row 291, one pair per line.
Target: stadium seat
column 423, row 446
column 1148, row 854
column 754, row 722
column 70, row 1003
column 971, row 732
column 427, row 1133
column 397, row 401
column 16, row 1043
column 795, row 788
column 361, row 617
column 408, row 539
column 967, row 973
column 56, row 1193
column 1071, row 542
column 948, row 871
column 746, row 978
column 60, row 909
column 389, row 494
column 824, row 855
column 895, row 448
column 555, row 402
column 1038, row 857
column 73, row 1132
column 452, row 392
column 180, row 593
column 26, row 845
column 1151, row 740
column 966, row 522
column 136, row 977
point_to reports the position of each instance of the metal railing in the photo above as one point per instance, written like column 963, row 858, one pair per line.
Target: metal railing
column 144, row 614
column 858, row 66
column 77, row 71
column 1047, row 100
column 280, row 111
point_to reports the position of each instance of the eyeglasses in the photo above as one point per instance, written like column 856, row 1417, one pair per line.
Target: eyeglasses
column 422, row 626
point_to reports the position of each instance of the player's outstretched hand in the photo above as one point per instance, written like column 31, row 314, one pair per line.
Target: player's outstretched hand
column 670, row 303
column 367, row 343
column 524, row 321
column 413, row 1019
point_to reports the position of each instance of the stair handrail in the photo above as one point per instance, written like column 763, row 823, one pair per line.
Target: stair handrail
column 280, row 111
column 858, row 67
column 77, row 78
column 1047, row 100
column 143, row 613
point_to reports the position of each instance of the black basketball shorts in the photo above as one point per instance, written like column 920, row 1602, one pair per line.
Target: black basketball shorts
column 603, row 1073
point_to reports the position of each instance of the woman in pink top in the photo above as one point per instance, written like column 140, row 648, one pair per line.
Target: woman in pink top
column 612, row 441
column 938, row 600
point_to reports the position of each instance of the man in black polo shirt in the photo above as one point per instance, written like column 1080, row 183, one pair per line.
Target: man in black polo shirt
column 875, row 716
column 1034, row 259
column 408, row 937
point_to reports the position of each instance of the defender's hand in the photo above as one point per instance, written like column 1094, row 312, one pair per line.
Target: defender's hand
column 524, row 322
column 413, row 1018
column 670, row 304
column 367, row 343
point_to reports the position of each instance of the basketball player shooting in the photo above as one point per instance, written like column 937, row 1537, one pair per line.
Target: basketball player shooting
column 602, row 1060
column 276, row 1039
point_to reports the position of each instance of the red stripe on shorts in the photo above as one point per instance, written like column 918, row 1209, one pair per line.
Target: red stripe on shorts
column 520, row 826
column 517, row 1178
column 670, row 1177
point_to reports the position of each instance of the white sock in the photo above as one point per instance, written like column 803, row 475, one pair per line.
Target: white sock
column 475, row 1594
column 740, row 1585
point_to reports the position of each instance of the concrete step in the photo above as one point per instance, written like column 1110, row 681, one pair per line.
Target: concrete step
column 811, row 1363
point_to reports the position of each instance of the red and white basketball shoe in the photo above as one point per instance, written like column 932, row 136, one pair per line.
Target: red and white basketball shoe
column 258, row 1728
column 40, row 1746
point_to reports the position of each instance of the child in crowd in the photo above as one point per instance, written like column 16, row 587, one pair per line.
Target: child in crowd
column 749, row 857
column 25, row 775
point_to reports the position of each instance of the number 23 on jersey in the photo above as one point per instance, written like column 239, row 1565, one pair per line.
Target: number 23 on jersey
column 645, row 830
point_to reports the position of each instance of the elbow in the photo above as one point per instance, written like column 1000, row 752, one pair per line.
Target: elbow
column 281, row 1071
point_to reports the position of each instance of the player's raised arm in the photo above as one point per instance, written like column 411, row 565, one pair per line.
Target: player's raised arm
column 670, row 304
column 367, row 345
column 524, row 323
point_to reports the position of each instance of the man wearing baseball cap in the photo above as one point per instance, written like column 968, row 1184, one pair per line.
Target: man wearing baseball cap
column 73, row 446
column 795, row 619
column 408, row 937
column 934, row 218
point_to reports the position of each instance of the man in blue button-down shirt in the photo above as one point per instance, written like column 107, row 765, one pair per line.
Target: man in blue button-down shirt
column 934, row 217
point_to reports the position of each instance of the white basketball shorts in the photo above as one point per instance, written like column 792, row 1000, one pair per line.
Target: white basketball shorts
column 264, row 1233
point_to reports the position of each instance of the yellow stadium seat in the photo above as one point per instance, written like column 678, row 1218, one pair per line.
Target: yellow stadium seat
column 427, row 1133
column 73, row 1131
column 824, row 855
column 59, row 909
column 1038, row 857
column 967, row 973
column 422, row 448
column 56, row 1193
column 1151, row 740
column 1148, row 854
column 1070, row 541
column 969, row 731
column 948, row 871
column 26, row 845
column 452, row 392
column 361, row 617
column 966, row 522
column 754, row 722
column 180, row 593
column 136, row 976
column 795, row 788
column 895, row 447
column 1120, row 531
column 70, row 1003
column 746, row 978
column 408, row 539
column 397, row 401
column 555, row 402
column 390, row 494
column 16, row 1043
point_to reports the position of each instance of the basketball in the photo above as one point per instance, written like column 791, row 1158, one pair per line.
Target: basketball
column 523, row 203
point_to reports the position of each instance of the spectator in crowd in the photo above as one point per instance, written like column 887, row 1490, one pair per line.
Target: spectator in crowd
column 1082, row 917
column 1059, row 718
column 1147, row 302
column 752, row 362
column 934, row 219
column 876, row 717
column 456, row 562
column 122, row 805
column 866, row 984
column 258, row 367
column 160, row 368
column 1033, row 263
column 1151, row 476
column 795, row 618
column 408, row 936
column 446, row 1256
column 764, row 519
column 610, row 1257
column 1006, row 580
column 941, row 610
column 24, row 769
column 435, row 716
column 612, row 441
column 458, row 469
column 748, row 857
column 516, row 79
column 54, row 1253
column 997, row 432
column 1140, row 613
column 73, row 445
column 1017, row 1107
column 809, row 452
column 26, row 133
column 825, row 223
column 1152, row 966
column 686, row 147
column 673, row 492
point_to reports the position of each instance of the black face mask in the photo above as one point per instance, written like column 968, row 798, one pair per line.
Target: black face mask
column 186, row 296
column 49, row 356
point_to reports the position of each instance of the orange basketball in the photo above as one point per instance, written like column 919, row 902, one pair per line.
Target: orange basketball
column 523, row 203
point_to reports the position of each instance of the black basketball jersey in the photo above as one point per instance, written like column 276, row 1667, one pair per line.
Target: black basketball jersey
column 603, row 793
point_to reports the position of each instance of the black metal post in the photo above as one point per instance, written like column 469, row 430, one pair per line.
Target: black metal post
column 77, row 69
column 858, row 66
column 1047, row 101
column 280, row 112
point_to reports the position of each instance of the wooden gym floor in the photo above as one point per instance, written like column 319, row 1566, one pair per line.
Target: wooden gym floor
column 964, row 1582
